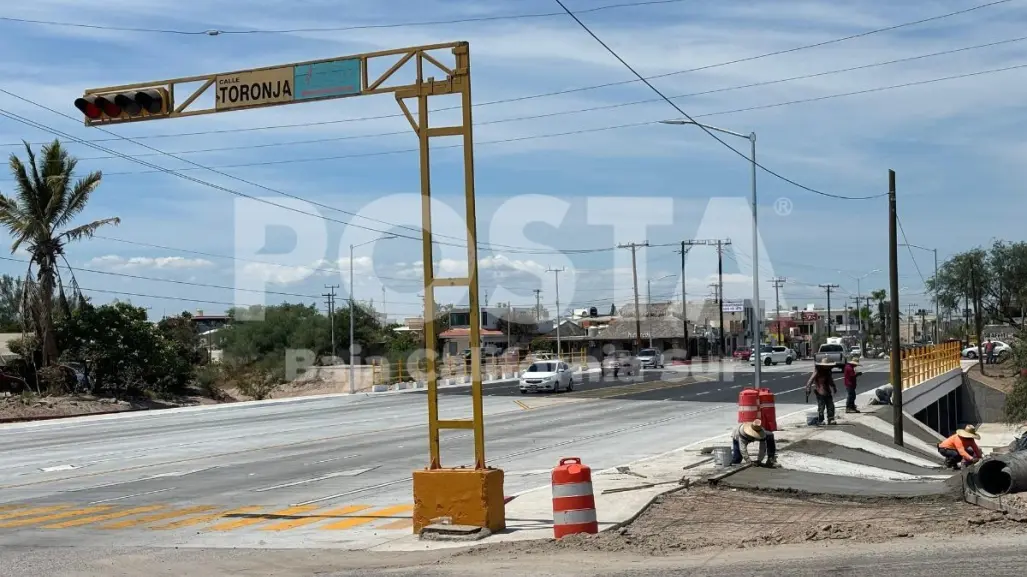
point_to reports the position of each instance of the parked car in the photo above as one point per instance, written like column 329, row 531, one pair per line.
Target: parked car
column 650, row 359
column 773, row 355
column 620, row 362
column 834, row 353
column 1001, row 348
column 547, row 376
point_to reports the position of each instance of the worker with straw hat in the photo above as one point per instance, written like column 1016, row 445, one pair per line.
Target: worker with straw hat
column 751, row 432
column 850, row 384
column 961, row 448
column 822, row 384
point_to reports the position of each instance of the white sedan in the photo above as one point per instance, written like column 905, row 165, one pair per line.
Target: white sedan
column 1000, row 348
column 551, row 376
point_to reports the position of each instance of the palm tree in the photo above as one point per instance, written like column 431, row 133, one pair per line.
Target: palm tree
column 880, row 296
column 38, row 216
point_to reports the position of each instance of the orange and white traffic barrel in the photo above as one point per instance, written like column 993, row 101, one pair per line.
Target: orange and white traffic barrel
column 574, row 505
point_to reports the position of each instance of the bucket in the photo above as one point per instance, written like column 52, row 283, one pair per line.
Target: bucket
column 722, row 456
column 812, row 418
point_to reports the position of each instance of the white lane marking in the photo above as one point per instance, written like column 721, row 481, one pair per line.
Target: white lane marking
column 59, row 468
column 527, row 473
column 130, row 496
column 140, row 480
column 350, row 473
column 353, row 492
column 702, row 393
column 333, row 459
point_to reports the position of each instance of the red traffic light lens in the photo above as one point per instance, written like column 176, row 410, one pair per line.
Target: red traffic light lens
column 152, row 101
column 87, row 107
column 109, row 107
column 126, row 103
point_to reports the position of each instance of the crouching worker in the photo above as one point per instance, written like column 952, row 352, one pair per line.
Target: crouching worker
column 961, row 448
column 753, row 432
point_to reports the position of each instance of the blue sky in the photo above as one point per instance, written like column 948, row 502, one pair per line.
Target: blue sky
column 955, row 144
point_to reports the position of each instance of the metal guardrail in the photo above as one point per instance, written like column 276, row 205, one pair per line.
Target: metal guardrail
column 921, row 364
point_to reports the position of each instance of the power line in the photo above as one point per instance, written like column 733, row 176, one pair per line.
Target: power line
column 563, row 112
column 219, row 32
column 529, row 137
column 908, row 248
column 704, row 129
column 41, row 126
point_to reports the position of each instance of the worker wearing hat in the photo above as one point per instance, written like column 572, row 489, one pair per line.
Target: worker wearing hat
column 752, row 432
column 822, row 384
column 961, row 448
column 850, row 384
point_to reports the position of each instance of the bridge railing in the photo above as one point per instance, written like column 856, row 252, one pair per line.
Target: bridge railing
column 920, row 364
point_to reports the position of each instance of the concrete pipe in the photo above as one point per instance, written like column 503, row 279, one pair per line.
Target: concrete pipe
column 1003, row 474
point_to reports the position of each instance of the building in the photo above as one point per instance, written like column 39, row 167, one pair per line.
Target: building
column 457, row 337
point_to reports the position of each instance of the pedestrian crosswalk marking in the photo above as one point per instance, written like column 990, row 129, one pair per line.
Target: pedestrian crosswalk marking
column 31, row 511
column 364, row 519
column 157, row 517
column 55, row 516
column 164, row 517
column 207, row 518
column 260, row 518
column 292, row 524
column 104, row 517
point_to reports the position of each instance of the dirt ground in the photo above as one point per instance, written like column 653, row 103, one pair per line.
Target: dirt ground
column 30, row 407
column 1001, row 376
column 704, row 517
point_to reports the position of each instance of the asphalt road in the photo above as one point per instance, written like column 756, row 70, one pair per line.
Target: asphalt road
column 991, row 555
column 330, row 472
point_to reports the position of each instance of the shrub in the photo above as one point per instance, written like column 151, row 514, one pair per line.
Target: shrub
column 55, row 380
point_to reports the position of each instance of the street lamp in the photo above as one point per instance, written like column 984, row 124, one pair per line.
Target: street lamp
column 859, row 311
column 649, row 303
column 756, row 330
column 937, row 318
column 352, row 356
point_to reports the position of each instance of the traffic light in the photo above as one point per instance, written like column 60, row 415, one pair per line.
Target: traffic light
column 124, row 105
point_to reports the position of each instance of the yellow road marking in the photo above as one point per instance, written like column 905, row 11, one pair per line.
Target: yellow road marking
column 207, row 518
column 157, row 517
column 105, row 517
column 9, row 507
column 56, row 516
column 246, row 522
column 32, row 511
column 284, row 525
column 364, row 519
column 401, row 524
column 522, row 405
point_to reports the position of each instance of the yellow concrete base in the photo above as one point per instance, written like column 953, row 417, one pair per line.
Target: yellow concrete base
column 467, row 496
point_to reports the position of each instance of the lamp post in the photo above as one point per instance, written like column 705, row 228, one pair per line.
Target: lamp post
column 937, row 317
column 649, row 304
column 352, row 356
column 859, row 311
column 757, row 332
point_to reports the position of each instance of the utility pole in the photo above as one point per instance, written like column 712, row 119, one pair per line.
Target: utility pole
column 829, row 288
column 778, row 283
column 556, row 273
column 538, row 304
column 509, row 323
column 893, row 281
column 686, row 245
column 648, row 310
column 634, row 275
column 909, row 320
column 330, row 298
column 720, row 291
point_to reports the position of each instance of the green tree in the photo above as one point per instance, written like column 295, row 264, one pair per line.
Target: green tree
column 880, row 296
column 123, row 352
column 39, row 216
column 1000, row 274
column 12, row 291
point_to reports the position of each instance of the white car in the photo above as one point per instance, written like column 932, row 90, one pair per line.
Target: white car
column 774, row 355
column 1000, row 348
column 651, row 359
column 551, row 376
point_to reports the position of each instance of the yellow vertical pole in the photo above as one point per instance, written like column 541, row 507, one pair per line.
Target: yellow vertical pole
column 430, row 336
column 462, row 78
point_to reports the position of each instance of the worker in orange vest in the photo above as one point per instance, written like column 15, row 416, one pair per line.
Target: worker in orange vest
column 961, row 448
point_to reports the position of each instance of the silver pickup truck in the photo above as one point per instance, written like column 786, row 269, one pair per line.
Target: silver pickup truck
column 832, row 353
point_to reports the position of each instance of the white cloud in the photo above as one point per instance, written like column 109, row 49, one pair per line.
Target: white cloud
column 117, row 263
